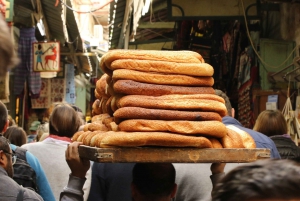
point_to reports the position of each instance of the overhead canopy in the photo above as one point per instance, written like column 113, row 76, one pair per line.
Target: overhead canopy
column 62, row 21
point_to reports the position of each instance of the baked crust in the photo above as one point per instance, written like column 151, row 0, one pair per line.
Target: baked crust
column 170, row 67
column 136, row 139
column 206, row 128
column 247, row 139
column 160, row 114
column 203, row 105
column 161, row 78
column 138, row 88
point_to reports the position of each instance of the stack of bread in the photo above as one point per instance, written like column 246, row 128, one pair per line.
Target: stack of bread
column 159, row 98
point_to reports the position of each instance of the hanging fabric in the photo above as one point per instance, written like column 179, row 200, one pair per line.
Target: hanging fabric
column 57, row 90
column 45, row 96
column 25, row 69
column 70, row 84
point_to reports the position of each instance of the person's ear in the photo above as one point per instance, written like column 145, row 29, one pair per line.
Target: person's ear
column 3, row 159
column 174, row 190
column 5, row 126
column 232, row 112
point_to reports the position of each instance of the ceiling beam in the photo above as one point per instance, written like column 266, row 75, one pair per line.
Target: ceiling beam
column 156, row 25
column 40, row 10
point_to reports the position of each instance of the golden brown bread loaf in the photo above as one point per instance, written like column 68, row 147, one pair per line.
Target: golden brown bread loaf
column 108, row 106
column 108, row 79
column 135, row 139
column 82, row 136
column 175, row 97
column 155, row 55
column 94, row 138
column 97, row 126
column 138, row 88
column 96, row 109
column 215, row 143
column 76, row 135
column 87, row 139
column 172, row 104
column 113, row 103
column 97, row 95
column 161, row 78
column 103, row 105
column 100, row 117
column 86, row 127
column 247, row 140
column 101, row 87
column 206, row 128
column 160, row 114
column 232, row 140
column 170, row 67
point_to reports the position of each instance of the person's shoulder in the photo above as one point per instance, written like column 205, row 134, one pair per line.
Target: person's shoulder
column 13, row 147
column 31, row 144
column 31, row 195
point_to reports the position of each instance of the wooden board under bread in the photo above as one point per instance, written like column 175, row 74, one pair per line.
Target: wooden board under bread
column 171, row 155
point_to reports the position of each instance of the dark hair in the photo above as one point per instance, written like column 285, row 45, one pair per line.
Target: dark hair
column 154, row 180
column 4, row 144
column 263, row 179
column 271, row 122
column 227, row 101
column 64, row 121
column 16, row 135
column 3, row 116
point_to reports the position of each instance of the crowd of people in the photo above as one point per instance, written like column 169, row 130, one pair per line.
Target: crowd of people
column 60, row 173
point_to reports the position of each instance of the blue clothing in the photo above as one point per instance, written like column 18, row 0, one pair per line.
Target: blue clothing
column 39, row 56
column 31, row 138
column 111, row 182
column 261, row 140
column 42, row 182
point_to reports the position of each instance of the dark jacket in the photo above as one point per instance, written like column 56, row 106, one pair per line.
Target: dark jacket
column 10, row 189
column 111, row 182
column 286, row 147
column 261, row 140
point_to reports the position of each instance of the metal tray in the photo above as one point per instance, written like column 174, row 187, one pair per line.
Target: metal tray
column 171, row 155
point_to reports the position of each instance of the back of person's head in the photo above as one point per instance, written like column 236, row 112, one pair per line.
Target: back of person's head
column 4, row 144
column 3, row 115
column 6, row 164
column 8, row 57
column 271, row 122
column 153, row 181
column 261, row 180
column 16, row 135
column 64, row 121
column 227, row 101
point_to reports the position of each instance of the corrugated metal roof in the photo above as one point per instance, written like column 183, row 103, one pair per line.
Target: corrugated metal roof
column 118, row 21
column 158, row 14
column 53, row 15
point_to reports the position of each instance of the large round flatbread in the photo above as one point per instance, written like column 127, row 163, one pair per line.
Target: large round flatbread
column 206, row 128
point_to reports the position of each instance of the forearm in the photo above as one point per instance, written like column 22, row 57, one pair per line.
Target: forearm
column 73, row 191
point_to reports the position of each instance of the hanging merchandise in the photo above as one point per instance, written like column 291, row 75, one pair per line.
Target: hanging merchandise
column 57, row 90
column 70, row 84
column 25, row 69
column 44, row 100
column 291, row 119
column 4, row 88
